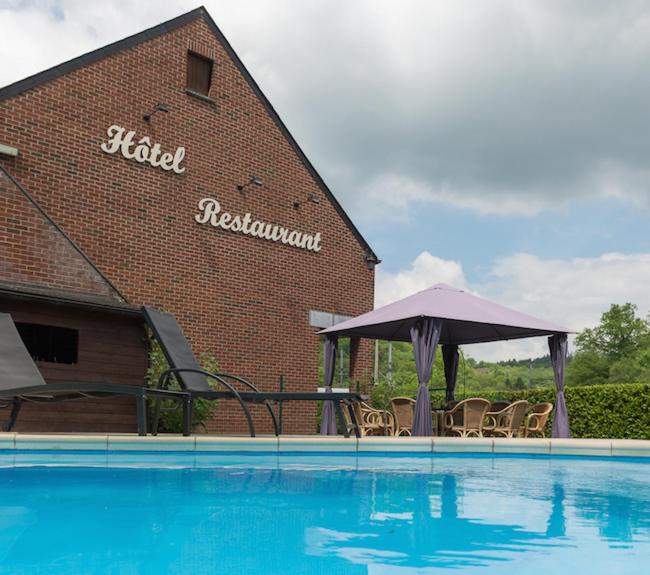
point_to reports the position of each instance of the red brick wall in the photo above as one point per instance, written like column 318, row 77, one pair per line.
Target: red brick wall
column 244, row 299
column 34, row 252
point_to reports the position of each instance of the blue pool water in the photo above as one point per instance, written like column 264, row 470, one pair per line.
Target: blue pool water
column 128, row 514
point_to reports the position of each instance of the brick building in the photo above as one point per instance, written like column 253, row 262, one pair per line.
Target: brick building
column 114, row 169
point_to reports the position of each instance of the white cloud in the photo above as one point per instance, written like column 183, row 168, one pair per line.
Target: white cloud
column 571, row 292
column 502, row 107
column 424, row 271
column 395, row 198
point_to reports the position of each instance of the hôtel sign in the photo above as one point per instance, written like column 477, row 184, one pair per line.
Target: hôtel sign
column 210, row 213
column 142, row 151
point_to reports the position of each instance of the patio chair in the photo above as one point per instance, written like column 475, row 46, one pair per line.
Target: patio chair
column 21, row 382
column 472, row 416
column 490, row 417
column 193, row 380
column 371, row 421
column 507, row 421
column 403, row 410
column 458, row 415
column 535, row 422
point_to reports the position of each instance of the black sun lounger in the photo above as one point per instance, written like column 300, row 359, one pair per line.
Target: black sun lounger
column 22, row 382
column 194, row 380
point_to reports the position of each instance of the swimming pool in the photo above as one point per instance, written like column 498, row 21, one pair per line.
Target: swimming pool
column 142, row 513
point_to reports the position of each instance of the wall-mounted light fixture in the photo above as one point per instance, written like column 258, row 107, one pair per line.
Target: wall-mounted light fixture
column 371, row 261
column 310, row 198
column 254, row 181
column 159, row 108
column 8, row 151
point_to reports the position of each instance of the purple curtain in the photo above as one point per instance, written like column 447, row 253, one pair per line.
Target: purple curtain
column 425, row 335
column 558, row 346
column 450, row 359
column 328, row 418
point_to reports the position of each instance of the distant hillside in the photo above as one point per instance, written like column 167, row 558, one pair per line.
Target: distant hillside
column 472, row 375
column 544, row 361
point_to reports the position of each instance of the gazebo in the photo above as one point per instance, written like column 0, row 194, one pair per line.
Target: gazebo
column 451, row 317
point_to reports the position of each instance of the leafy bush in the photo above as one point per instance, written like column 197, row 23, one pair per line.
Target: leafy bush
column 171, row 416
column 617, row 350
column 596, row 411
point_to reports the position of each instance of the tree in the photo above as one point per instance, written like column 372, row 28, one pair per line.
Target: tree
column 619, row 334
column 587, row 368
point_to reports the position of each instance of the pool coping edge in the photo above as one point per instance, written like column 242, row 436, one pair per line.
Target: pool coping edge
column 314, row 443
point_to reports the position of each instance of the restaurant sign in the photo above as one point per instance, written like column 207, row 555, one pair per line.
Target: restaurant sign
column 142, row 151
column 210, row 213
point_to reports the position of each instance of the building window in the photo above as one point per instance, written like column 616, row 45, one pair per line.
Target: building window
column 199, row 73
column 50, row 343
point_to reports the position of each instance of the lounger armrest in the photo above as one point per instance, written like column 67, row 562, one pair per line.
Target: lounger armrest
column 164, row 378
column 237, row 379
column 167, row 374
column 78, row 387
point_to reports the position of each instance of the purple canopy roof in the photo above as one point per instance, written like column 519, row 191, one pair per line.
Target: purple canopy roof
column 467, row 319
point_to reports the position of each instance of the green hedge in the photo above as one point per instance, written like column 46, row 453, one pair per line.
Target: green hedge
column 596, row 411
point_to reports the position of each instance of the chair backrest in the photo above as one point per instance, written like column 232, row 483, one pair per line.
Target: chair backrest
column 518, row 410
column 17, row 368
column 176, row 348
column 474, row 410
column 542, row 408
column 498, row 406
column 542, row 412
column 457, row 416
column 403, row 409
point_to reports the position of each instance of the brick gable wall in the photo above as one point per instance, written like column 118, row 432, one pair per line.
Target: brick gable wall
column 241, row 298
column 35, row 253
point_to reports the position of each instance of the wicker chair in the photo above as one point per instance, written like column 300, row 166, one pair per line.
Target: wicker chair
column 536, row 421
column 490, row 417
column 458, row 416
column 403, row 409
column 507, row 421
column 467, row 417
column 381, row 421
column 370, row 420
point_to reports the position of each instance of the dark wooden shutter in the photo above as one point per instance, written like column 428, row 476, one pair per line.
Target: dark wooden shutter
column 199, row 73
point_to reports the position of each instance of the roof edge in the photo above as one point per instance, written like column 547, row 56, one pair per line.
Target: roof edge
column 20, row 86
column 65, row 236
column 66, row 298
column 59, row 70
column 533, row 332
column 370, row 254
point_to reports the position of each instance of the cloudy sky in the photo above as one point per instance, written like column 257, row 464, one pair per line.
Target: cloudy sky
column 500, row 146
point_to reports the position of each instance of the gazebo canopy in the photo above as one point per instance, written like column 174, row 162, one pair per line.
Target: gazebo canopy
column 467, row 319
column 444, row 315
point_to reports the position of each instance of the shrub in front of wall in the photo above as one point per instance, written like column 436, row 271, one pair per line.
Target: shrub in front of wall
column 619, row 411
column 171, row 416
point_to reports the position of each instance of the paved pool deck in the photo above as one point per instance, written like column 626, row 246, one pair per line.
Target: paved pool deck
column 316, row 443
